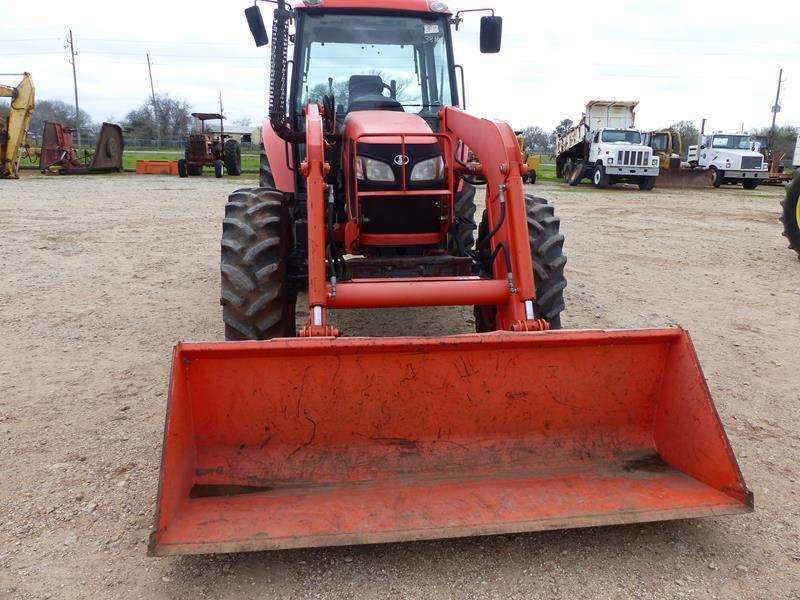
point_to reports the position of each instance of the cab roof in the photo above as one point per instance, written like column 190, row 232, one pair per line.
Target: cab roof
column 424, row 6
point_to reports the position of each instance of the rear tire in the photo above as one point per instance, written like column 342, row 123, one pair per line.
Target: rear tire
column 547, row 253
column 647, row 183
column 266, row 177
column 257, row 301
column 233, row 157
column 576, row 173
column 717, row 177
column 182, row 172
column 219, row 167
column 791, row 214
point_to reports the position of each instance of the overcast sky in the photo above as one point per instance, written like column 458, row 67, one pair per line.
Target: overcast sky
column 681, row 59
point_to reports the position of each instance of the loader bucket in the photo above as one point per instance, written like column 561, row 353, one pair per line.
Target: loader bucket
column 326, row 442
column 684, row 178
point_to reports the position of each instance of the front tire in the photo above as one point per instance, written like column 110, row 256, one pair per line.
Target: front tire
column 717, row 177
column 219, row 166
column 750, row 184
column 791, row 213
column 464, row 226
column 547, row 254
column 182, row 172
column 600, row 178
column 531, row 176
column 257, row 300
column 647, row 183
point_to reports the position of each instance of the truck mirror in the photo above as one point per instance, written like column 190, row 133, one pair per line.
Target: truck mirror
column 491, row 34
column 256, row 24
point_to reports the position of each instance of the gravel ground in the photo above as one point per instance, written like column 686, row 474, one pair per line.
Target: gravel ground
column 102, row 274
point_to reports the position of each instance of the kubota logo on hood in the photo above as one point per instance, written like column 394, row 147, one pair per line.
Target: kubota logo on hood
column 401, row 159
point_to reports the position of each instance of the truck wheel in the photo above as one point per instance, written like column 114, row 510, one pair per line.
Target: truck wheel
column 547, row 254
column 182, row 172
column 464, row 226
column 576, row 173
column 750, row 184
column 717, row 177
column 218, row 168
column 266, row 177
column 600, row 178
column 565, row 171
column 791, row 213
column 647, row 183
column 257, row 301
column 233, row 157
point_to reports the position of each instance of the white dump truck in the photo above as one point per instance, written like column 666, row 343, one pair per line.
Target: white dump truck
column 731, row 158
column 796, row 160
column 606, row 147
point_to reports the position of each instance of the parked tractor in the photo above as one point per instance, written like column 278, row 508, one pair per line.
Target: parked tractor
column 284, row 438
column 208, row 148
column 14, row 129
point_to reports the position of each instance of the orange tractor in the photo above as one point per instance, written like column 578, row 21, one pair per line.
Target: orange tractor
column 280, row 438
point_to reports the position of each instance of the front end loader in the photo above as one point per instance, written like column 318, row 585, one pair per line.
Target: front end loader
column 292, row 435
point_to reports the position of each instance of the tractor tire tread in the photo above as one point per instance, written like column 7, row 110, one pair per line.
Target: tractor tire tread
column 257, row 300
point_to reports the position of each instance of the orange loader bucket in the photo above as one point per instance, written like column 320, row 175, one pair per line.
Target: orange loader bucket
column 297, row 443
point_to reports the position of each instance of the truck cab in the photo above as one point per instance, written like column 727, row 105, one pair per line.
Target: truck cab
column 620, row 154
column 731, row 159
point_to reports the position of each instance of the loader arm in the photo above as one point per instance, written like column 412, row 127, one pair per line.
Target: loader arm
column 19, row 118
column 511, row 290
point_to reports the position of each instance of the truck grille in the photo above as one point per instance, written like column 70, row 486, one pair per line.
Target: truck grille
column 751, row 162
column 628, row 158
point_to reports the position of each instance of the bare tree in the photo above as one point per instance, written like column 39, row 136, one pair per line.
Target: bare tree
column 535, row 140
column 171, row 118
column 689, row 134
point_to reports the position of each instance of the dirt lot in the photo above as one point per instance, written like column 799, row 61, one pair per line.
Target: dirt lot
column 101, row 275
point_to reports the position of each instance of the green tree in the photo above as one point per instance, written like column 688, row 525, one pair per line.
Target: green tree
column 689, row 134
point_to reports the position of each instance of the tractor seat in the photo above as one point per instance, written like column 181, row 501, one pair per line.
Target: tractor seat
column 366, row 94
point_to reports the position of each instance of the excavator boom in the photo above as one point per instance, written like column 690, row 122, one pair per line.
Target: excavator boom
column 14, row 131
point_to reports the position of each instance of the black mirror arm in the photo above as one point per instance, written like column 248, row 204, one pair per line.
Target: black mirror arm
column 457, row 20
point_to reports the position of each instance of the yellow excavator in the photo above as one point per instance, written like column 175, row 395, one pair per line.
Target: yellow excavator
column 14, row 130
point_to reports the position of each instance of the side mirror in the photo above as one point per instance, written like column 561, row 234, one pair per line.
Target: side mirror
column 256, row 24
column 491, row 34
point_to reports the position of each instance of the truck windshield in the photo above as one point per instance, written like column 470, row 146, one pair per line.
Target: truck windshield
column 659, row 142
column 621, row 135
column 732, row 142
column 403, row 59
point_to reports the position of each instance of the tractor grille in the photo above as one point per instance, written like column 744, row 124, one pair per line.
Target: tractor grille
column 752, row 162
column 633, row 158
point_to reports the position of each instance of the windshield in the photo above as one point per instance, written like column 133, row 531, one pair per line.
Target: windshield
column 732, row 142
column 404, row 58
column 621, row 135
column 659, row 142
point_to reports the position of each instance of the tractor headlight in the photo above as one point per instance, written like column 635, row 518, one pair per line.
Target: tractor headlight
column 373, row 170
column 428, row 170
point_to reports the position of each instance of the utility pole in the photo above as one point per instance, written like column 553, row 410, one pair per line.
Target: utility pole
column 155, row 104
column 221, row 125
column 776, row 108
column 71, row 46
